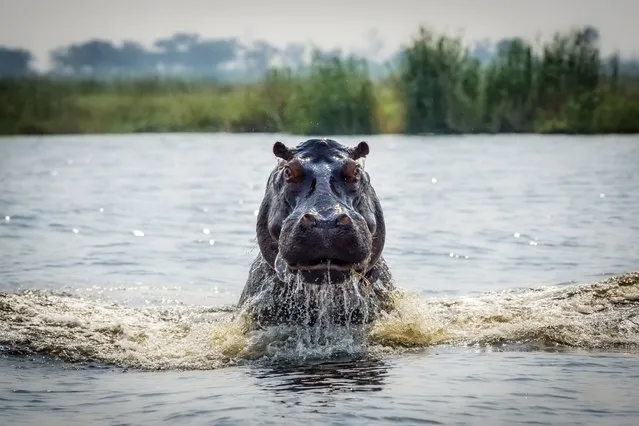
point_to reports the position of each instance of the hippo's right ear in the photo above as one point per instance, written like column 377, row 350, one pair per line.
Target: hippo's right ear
column 281, row 151
column 361, row 150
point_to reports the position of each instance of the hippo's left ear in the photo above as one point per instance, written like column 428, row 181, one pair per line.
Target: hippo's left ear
column 361, row 150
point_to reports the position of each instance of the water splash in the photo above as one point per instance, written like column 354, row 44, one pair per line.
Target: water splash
column 291, row 300
column 602, row 315
column 81, row 330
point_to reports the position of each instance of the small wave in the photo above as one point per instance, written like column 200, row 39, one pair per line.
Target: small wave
column 603, row 315
column 81, row 330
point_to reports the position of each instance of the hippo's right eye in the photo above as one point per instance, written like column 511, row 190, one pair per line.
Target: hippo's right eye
column 293, row 172
column 288, row 174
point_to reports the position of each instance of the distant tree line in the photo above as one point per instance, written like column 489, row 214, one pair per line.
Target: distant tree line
column 436, row 84
column 184, row 55
column 190, row 55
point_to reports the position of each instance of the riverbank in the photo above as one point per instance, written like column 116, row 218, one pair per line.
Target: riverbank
column 437, row 89
column 43, row 106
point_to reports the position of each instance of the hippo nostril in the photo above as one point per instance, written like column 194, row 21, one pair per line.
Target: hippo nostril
column 343, row 219
column 308, row 220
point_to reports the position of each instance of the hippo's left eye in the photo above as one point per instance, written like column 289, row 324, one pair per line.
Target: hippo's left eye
column 352, row 171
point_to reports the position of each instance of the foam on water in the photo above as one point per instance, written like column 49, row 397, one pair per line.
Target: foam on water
column 602, row 315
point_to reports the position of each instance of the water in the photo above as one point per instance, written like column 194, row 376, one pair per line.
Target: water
column 121, row 258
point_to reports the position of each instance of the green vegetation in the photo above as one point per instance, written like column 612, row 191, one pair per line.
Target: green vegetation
column 438, row 87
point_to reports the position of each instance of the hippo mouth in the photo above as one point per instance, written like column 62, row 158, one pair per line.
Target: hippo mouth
column 335, row 270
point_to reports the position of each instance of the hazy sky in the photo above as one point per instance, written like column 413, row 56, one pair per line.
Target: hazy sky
column 40, row 25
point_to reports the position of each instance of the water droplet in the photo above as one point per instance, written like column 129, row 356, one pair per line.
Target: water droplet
column 451, row 254
column 7, row 218
column 516, row 235
column 255, row 212
column 54, row 172
column 205, row 209
column 533, row 243
column 211, row 242
column 434, row 180
column 206, row 231
column 138, row 233
column 101, row 210
column 602, row 195
column 75, row 230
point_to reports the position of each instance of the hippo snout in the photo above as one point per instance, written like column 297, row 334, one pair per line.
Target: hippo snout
column 336, row 221
column 335, row 242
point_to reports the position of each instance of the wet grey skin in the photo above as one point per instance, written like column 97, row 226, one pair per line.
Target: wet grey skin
column 320, row 230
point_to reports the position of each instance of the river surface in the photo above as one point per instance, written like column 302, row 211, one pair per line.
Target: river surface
column 121, row 259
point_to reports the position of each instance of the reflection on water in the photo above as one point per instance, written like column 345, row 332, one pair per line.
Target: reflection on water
column 351, row 375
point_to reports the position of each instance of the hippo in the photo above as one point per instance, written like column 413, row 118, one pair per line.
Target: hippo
column 321, row 233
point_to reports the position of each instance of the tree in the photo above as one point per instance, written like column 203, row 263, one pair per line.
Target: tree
column 259, row 57
column 94, row 57
column 510, row 94
column 15, row 62
column 569, row 77
column 439, row 85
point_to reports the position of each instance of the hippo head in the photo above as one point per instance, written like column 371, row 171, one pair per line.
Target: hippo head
column 320, row 216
